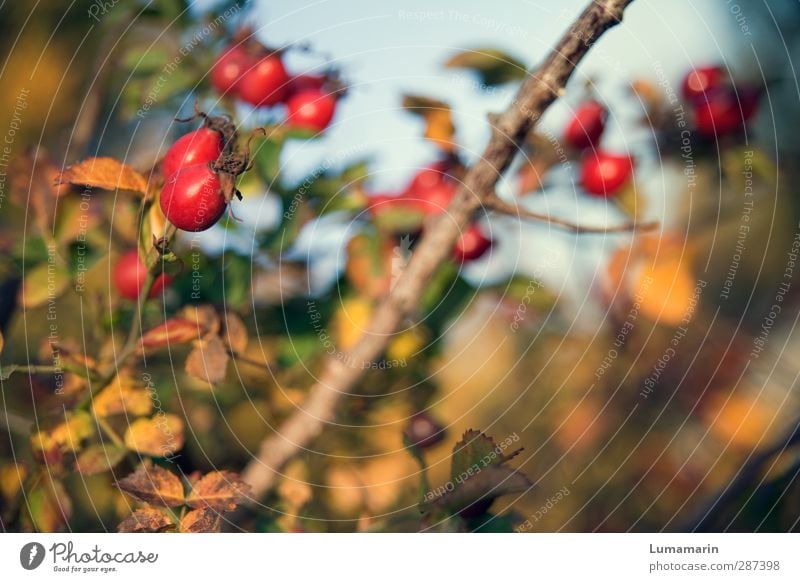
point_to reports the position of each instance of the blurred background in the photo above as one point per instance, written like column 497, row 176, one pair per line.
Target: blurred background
column 651, row 379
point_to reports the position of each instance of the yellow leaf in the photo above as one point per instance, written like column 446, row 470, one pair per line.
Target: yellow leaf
column 122, row 397
column 160, row 436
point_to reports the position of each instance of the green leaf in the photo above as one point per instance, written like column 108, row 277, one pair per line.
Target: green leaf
column 267, row 157
column 493, row 67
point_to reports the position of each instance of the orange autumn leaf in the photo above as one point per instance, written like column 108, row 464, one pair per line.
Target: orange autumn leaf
column 105, row 173
column 438, row 119
column 173, row 331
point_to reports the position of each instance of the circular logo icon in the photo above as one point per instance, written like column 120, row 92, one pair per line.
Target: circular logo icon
column 31, row 555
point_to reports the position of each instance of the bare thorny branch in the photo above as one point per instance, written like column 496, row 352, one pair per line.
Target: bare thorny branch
column 509, row 131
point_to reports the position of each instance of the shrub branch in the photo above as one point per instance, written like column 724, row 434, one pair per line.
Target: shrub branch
column 509, row 130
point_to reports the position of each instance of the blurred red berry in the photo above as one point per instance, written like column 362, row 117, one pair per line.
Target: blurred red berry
column 129, row 276
column 700, row 81
column 311, row 109
column 586, row 126
column 423, row 431
column 265, row 83
column 471, row 245
column 604, row 174
column 230, row 66
column 724, row 111
column 306, row 82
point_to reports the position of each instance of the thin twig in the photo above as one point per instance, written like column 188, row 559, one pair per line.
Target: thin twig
column 509, row 130
column 514, row 210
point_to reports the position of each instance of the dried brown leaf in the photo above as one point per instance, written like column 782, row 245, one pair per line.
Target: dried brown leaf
column 200, row 521
column 145, row 520
column 218, row 490
column 208, row 360
column 235, row 333
column 154, row 485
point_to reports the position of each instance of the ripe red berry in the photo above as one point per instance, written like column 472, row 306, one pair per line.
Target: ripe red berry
column 227, row 71
column 700, row 81
column 724, row 111
column 471, row 245
column 427, row 178
column 604, row 174
column 192, row 198
column 265, row 83
column 436, row 198
column 311, row 109
column 130, row 273
column 197, row 147
column 586, row 126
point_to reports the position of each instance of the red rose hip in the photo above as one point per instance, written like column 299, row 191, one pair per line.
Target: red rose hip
column 197, row 147
column 265, row 83
column 701, row 80
column 129, row 276
column 724, row 111
column 604, row 174
column 192, row 198
column 471, row 245
column 227, row 71
column 586, row 126
column 311, row 109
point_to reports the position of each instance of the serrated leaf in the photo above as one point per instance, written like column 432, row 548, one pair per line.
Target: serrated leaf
column 160, row 436
column 122, row 397
column 154, row 485
column 99, row 459
column 173, row 331
column 493, row 66
column 105, row 173
column 201, row 521
column 146, row 520
column 208, row 361
column 43, row 283
column 49, row 505
column 218, row 490
column 474, row 452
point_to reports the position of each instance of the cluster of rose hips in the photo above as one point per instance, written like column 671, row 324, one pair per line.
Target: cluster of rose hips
column 719, row 108
column 602, row 173
column 256, row 75
column 428, row 194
